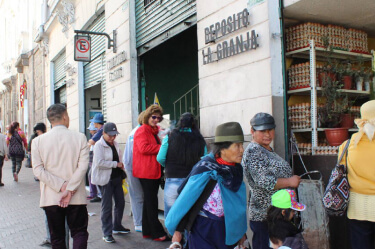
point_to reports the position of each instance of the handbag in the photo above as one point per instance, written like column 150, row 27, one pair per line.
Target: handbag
column 336, row 195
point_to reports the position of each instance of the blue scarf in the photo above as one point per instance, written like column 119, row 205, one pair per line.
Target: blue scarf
column 233, row 194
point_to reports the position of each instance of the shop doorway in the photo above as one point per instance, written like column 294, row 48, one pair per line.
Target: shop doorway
column 93, row 104
column 171, row 71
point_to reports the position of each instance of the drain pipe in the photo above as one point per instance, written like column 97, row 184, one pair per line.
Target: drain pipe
column 281, row 18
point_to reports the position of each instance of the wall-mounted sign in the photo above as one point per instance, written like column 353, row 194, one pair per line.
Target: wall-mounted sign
column 236, row 45
column 116, row 74
column 82, row 48
column 117, row 60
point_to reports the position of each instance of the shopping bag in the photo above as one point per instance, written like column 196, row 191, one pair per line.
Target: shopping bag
column 125, row 187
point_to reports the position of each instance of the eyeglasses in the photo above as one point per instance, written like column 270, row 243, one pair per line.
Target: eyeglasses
column 157, row 117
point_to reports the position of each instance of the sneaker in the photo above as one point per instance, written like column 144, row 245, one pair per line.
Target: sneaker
column 109, row 239
column 96, row 199
column 36, row 179
column 89, row 197
column 122, row 230
column 1, row 184
column 46, row 243
column 138, row 228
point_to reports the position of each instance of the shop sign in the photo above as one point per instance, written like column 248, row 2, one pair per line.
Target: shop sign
column 236, row 45
column 117, row 60
column 116, row 74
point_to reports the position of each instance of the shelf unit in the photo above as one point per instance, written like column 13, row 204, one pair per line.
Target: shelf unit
column 313, row 53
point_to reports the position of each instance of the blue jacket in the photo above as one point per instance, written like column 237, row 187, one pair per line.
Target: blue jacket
column 233, row 194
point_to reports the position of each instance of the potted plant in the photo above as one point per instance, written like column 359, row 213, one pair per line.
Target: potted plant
column 345, row 73
column 330, row 115
column 367, row 78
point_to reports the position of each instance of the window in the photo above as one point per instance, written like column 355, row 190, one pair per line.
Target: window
column 147, row 2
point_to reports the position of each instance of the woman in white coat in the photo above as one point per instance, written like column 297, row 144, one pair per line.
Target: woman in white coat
column 108, row 173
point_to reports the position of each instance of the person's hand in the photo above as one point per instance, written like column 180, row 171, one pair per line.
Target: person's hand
column 177, row 237
column 65, row 199
column 63, row 187
column 6, row 158
column 294, row 181
column 120, row 165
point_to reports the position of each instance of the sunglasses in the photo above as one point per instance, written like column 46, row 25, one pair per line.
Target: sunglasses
column 157, row 117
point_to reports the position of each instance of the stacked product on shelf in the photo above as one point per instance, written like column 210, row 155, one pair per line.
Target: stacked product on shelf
column 299, row 76
column 356, row 111
column 304, row 148
column 324, row 149
column 352, row 40
column 299, row 116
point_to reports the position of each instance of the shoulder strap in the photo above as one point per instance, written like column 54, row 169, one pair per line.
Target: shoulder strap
column 17, row 137
column 344, row 151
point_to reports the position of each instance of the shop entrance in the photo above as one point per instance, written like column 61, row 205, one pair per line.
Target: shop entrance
column 93, row 104
column 171, row 71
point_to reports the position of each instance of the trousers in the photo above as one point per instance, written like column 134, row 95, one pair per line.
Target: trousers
column 77, row 219
column 136, row 197
column 113, row 189
column 151, row 225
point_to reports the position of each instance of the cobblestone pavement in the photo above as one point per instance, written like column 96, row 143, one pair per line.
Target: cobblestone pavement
column 22, row 221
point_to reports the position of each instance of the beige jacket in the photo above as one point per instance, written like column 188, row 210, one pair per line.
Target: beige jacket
column 103, row 163
column 60, row 155
column 3, row 146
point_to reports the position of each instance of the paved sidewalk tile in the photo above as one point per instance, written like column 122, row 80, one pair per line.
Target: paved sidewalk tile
column 22, row 221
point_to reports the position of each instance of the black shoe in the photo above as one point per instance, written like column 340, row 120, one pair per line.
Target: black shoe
column 46, row 243
column 36, row 179
column 109, row 239
column 1, row 184
column 96, row 199
column 122, row 230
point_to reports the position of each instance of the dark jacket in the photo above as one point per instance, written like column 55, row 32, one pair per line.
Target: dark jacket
column 296, row 242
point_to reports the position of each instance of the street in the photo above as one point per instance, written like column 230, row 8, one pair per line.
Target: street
column 22, row 221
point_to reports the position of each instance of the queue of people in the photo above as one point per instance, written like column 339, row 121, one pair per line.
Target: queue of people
column 204, row 194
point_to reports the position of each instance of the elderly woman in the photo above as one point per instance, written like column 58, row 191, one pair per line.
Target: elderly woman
column 361, row 176
column 266, row 172
column 145, row 167
column 212, row 204
column 108, row 173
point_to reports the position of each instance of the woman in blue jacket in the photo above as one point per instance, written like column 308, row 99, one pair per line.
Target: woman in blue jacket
column 212, row 202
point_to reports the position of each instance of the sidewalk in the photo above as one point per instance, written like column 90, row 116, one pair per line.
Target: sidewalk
column 22, row 221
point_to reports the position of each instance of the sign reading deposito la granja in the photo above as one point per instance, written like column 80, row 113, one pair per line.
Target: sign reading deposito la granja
column 236, row 45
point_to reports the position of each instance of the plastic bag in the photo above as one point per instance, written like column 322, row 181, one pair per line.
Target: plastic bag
column 125, row 187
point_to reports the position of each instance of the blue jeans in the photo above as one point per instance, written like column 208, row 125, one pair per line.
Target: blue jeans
column 362, row 234
column 136, row 197
column 170, row 193
column 261, row 238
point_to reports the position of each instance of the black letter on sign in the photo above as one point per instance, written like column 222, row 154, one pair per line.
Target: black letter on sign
column 245, row 18
column 207, row 35
column 254, row 43
column 219, row 52
column 225, row 49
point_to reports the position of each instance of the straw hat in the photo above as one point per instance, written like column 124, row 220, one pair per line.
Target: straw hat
column 366, row 124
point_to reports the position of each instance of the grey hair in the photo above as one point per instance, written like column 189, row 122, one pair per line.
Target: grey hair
column 55, row 112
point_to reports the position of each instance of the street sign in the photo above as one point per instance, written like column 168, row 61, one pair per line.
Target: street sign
column 82, row 48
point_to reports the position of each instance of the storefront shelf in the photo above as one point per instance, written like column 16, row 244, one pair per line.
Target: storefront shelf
column 302, row 130
column 321, row 54
column 351, row 130
column 306, row 91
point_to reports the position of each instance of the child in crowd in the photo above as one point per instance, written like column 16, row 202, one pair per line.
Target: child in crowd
column 283, row 233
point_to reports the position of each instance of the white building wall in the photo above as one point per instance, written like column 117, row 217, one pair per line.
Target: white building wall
column 118, row 91
column 234, row 88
